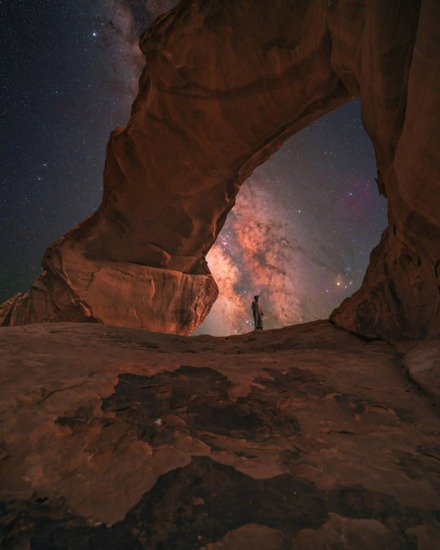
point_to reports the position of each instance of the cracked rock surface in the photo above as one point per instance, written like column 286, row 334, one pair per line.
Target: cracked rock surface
column 304, row 437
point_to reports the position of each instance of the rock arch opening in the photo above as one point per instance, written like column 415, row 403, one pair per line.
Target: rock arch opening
column 301, row 232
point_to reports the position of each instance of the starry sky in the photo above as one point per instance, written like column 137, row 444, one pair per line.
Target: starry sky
column 304, row 224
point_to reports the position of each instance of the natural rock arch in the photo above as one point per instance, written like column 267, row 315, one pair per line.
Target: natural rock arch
column 225, row 84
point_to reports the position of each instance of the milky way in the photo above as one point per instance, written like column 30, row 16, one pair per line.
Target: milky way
column 302, row 229
column 304, row 223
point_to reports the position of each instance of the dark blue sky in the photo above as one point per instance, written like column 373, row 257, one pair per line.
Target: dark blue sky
column 63, row 89
column 68, row 73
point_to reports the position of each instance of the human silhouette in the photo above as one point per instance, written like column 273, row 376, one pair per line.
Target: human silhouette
column 257, row 312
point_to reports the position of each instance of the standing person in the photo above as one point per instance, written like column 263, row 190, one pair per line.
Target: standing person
column 257, row 312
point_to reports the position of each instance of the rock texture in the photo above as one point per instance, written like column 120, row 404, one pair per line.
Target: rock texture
column 225, row 84
column 306, row 438
column 116, row 293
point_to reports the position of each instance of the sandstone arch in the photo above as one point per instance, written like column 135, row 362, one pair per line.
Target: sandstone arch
column 226, row 83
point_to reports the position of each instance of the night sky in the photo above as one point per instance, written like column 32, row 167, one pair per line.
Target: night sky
column 304, row 224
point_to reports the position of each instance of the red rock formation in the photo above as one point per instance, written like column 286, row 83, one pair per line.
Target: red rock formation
column 115, row 293
column 401, row 105
column 226, row 83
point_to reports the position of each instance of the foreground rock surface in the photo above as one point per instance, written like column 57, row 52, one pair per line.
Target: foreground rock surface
column 305, row 437
column 225, row 84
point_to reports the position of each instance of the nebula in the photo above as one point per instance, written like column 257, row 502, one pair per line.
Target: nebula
column 302, row 266
column 253, row 255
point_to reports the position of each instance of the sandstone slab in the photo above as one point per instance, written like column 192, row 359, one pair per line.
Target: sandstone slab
column 306, row 437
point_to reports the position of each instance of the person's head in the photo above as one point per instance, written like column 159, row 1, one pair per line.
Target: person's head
column 256, row 298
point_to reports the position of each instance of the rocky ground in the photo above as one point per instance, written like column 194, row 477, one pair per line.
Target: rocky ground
column 305, row 437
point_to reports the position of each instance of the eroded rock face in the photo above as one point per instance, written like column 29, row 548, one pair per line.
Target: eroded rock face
column 305, row 437
column 225, row 84
column 116, row 293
